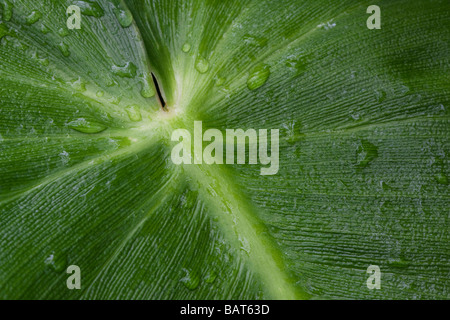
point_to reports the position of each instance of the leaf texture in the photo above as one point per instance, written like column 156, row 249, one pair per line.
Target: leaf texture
column 86, row 176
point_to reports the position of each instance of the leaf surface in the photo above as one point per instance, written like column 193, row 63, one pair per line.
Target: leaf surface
column 86, row 176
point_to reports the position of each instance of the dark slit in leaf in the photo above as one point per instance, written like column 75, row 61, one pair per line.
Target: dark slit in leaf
column 158, row 92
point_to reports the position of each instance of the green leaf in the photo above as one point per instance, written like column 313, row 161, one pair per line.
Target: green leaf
column 86, row 176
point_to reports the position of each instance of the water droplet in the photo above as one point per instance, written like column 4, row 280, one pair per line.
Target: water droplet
column 147, row 88
column 85, row 126
column 134, row 113
column 124, row 17
column 355, row 116
column 64, row 48
column 201, row 65
column 380, row 95
column 45, row 29
column 56, row 262
column 398, row 262
column 147, row 92
column 7, row 10
column 65, row 157
column 365, row 153
column 78, row 85
column 385, row 186
column 115, row 100
column 191, row 280
column 258, row 76
column 211, row 276
column 90, row 8
column 44, row 62
column 327, row 25
column 3, row 30
column 23, row 47
column 63, row 32
column 290, row 131
column 100, row 93
column 255, row 41
column 127, row 71
column 441, row 178
column 296, row 64
column 404, row 90
column 33, row 18
column 245, row 245
column 110, row 82
column 186, row 47
column 219, row 81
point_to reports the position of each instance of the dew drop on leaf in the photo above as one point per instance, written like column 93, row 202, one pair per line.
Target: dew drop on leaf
column 90, row 8
column 78, row 85
column 380, row 95
column 126, row 71
column 398, row 262
column 45, row 29
column 33, row 18
column 211, row 276
column 191, row 280
column 7, row 10
column 290, row 131
column 63, row 32
column 297, row 65
column 255, row 41
column 85, row 126
column 3, row 30
column 65, row 157
column 201, row 65
column 355, row 116
column 147, row 88
column 186, row 47
column 245, row 245
column 23, row 47
column 56, row 262
column 100, row 93
column 44, row 62
column 219, row 81
column 441, row 178
column 115, row 100
column 258, row 76
column 384, row 186
column 124, row 17
column 64, row 48
column 134, row 113
column 147, row 92
column 365, row 153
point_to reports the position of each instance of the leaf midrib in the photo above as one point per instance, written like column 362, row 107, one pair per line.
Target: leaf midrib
column 239, row 221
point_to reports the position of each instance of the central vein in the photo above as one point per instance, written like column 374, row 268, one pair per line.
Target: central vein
column 243, row 228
